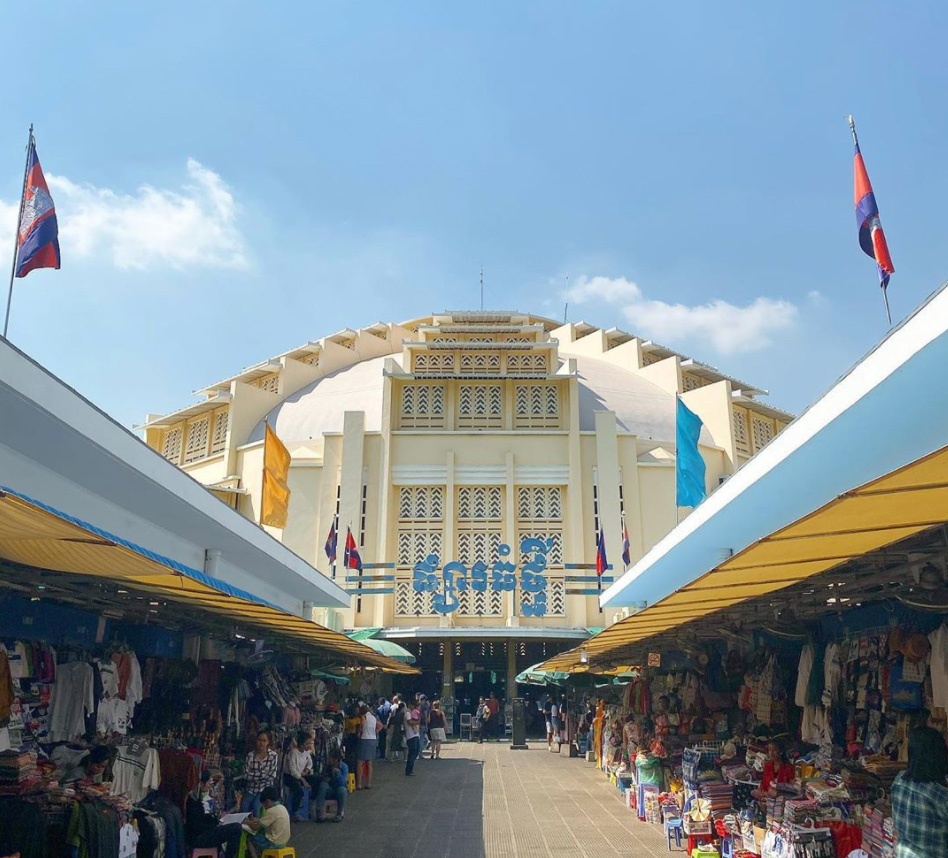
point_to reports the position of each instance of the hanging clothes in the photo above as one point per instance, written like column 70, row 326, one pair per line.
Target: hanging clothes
column 71, row 701
column 939, row 666
column 803, row 674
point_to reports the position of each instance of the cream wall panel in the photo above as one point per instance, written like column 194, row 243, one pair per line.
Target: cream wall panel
column 300, row 535
column 712, row 404
column 659, row 513
column 665, row 373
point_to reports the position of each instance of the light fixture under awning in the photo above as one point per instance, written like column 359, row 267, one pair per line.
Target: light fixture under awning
column 880, row 513
column 35, row 534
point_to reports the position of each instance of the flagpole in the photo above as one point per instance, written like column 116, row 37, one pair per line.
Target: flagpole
column 16, row 238
column 885, row 294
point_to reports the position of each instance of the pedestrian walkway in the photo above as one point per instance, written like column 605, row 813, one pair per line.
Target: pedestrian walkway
column 485, row 801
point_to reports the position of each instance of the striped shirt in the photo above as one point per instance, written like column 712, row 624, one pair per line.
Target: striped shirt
column 260, row 773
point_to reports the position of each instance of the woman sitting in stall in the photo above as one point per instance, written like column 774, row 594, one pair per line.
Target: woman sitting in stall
column 776, row 771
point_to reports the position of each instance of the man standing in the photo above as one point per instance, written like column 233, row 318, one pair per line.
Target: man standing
column 494, row 722
column 424, row 708
column 412, row 723
column 554, row 731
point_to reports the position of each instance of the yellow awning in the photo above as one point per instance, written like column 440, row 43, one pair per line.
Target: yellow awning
column 880, row 513
column 36, row 535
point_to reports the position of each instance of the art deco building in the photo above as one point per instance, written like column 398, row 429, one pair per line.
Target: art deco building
column 482, row 438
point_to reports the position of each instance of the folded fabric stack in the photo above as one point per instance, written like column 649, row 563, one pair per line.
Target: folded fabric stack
column 18, row 772
column 719, row 793
column 877, row 834
column 797, row 810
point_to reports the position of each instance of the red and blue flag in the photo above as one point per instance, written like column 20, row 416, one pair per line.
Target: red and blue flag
column 871, row 237
column 626, row 545
column 601, row 563
column 331, row 540
column 350, row 557
column 38, row 232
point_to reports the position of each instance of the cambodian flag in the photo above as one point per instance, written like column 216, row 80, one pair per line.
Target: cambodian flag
column 350, row 557
column 601, row 563
column 331, row 540
column 626, row 545
column 38, row 233
column 871, row 236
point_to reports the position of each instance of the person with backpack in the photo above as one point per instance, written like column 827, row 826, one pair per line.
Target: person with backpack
column 395, row 730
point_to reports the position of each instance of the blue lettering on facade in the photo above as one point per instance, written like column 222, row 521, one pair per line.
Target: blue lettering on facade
column 456, row 578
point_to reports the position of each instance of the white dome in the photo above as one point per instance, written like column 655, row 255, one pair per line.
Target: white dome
column 641, row 408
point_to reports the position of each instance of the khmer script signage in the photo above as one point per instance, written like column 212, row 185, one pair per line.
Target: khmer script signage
column 455, row 577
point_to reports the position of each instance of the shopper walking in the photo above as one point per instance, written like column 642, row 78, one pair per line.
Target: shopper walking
column 481, row 718
column 260, row 772
column 920, row 797
column 493, row 704
column 368, row 747
column 395, row 729
column 412, row 723
column 436, row 729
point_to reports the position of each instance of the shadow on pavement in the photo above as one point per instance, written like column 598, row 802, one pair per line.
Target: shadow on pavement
column 436, row 813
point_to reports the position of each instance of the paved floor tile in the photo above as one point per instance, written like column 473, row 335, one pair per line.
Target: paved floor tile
column 485, row 801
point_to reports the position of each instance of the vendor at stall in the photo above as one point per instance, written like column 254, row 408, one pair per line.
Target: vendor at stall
column 776, row 771
column 91, row 767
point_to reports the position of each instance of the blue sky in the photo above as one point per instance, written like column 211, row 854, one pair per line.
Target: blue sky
column 232, row 183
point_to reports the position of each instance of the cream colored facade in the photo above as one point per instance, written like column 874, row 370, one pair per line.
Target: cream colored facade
column 453, row 434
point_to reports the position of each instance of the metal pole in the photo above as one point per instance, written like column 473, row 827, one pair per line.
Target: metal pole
column 16, row 238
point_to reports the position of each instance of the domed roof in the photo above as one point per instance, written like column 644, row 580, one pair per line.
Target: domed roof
column 641, row 408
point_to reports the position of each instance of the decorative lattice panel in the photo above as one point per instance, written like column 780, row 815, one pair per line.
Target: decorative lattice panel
column 422, row 406
column 477, row 545
column 648, row 359
column 433, row 363
column 540, row 503
column 763, row 430
column 536, row 406
column 310, row 359
column 219, row 438
column 479, row 363
column 197, row 439
column 555, row 598
column 741, row 440
column 526, row 363
column 421, row 503
column 554, row 557
column 477, row 503
column 691, row 382
column 269, row 382
column 171, row 446
column 480, row 406
column 409, row 603
column 415, row 544
column 488, row 603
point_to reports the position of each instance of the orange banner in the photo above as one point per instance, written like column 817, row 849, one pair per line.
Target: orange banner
column 276, row 472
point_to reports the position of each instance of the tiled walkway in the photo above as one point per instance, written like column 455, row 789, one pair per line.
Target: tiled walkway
column 485, row 801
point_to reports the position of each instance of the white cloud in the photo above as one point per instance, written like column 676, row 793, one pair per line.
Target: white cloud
column 194, row 226
column 727, row 328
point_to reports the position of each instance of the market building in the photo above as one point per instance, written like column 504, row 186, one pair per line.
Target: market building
column 445, row 443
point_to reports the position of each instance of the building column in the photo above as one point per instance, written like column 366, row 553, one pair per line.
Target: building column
column 447, row 671
column 511, row 670
column 610, row 519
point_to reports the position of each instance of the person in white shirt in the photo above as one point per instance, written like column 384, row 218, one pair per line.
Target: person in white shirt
column 369, row 727
column 297, row 765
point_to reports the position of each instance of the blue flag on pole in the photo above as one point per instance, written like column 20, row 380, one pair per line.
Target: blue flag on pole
column 689, row 466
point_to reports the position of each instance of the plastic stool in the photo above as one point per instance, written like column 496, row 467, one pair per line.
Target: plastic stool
column 696, row 840
column 351, row 783
column 285, row 852
column 673, row 825
column 205, row 852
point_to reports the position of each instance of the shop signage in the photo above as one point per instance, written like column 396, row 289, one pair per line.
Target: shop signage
column 502, row 577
